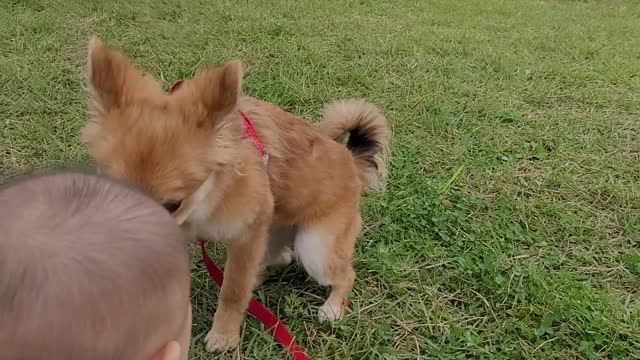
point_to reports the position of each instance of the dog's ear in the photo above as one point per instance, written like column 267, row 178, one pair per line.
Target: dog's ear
column 220, row 88
column 109, row 73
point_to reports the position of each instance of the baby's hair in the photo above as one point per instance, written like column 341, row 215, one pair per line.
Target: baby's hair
column 89, row 269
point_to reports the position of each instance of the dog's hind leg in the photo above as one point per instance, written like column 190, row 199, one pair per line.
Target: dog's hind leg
column 279, row 250
column 325, row 249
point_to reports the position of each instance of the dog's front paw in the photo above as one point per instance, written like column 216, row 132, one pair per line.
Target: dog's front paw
column 216, row 342
column 330, row 312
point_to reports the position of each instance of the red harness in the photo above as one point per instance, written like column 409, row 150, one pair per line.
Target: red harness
column 259, row 311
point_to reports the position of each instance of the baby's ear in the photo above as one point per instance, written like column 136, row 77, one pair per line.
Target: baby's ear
column 109, row 74
column 220, row 88
column 171, row 351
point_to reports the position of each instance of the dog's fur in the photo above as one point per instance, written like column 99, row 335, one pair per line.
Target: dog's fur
column 190, row 146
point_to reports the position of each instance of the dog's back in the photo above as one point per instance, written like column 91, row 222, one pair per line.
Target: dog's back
column 311, row 168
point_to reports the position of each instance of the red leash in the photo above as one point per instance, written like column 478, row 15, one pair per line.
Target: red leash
column 259, row 311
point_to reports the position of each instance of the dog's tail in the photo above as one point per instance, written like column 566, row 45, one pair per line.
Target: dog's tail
column 366, row 132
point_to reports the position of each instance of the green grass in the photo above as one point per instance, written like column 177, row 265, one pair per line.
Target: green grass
column 511, row 224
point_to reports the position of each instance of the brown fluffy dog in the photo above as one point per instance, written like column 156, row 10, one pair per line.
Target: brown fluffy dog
column 189, row 151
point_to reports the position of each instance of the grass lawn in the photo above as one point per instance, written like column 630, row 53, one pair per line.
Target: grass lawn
column 511, row 224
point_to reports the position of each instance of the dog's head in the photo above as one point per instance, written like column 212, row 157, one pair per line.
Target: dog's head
column 167, row 145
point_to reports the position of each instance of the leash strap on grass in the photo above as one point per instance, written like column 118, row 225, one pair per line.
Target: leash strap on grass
column 259, row 311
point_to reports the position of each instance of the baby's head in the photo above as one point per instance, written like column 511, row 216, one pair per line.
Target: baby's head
column 90, row 269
